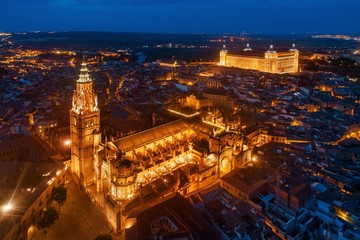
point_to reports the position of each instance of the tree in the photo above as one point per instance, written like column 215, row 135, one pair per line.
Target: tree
column 59, row 195
column 104, row 237
column 47, row 218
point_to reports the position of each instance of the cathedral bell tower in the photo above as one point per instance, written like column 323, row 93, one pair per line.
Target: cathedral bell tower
column 84, row 128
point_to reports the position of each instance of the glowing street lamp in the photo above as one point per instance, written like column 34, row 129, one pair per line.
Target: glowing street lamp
column 7, row 207
column 67, row 142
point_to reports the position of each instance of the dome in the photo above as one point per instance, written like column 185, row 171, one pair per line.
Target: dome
column 124, row 168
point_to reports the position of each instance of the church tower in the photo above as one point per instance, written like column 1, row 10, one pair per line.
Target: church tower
column 84, row 128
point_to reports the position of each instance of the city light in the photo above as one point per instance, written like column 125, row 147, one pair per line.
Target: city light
column 51, row 181
column 7, row 207
column 184, row 115
column 58, row 172
column 214, row 124
column 272, row 142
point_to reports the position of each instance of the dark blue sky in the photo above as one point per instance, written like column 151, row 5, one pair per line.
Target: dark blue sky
column 216, row 16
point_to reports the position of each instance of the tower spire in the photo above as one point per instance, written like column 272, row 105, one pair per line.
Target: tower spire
column 271, row 46
column 247, row 48
column 271, row 49
column 84, row 73
column 293, row 47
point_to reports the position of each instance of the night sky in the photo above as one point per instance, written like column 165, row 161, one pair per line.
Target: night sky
column 190, row 16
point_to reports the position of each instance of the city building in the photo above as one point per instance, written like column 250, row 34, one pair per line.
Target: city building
column 258, row 155
column 195, row 152
column 271, row 62
column 211, row 97
column 25, row 189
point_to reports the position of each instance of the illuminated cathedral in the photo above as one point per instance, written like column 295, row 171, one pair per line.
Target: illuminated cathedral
column 271, row 62
column 162, row 156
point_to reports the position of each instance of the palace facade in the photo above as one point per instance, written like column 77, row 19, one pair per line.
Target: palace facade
column 271, row 62
column 142, row 169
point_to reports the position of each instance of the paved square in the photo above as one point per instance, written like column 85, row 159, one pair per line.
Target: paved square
column 79, row 219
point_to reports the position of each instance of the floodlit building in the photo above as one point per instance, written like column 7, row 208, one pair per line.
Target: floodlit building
column 182, row 156
column 271, row 62
column 84, row 127
column 211, row 97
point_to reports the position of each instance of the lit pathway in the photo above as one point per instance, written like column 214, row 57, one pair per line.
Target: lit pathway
column 79, row 219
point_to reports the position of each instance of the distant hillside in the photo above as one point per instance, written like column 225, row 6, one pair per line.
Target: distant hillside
column 122, row 40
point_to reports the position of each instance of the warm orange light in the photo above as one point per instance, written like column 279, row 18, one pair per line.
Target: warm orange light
column 7, row 207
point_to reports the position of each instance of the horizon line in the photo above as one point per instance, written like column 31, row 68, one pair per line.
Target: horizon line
column 175, row 33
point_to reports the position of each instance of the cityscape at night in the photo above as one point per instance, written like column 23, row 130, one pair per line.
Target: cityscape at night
column 191, row 120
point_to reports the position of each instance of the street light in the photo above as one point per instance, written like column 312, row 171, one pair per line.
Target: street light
column 7, row 207
column 68, row 144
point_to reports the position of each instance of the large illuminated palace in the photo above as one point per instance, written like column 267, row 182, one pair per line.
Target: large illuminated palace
column 271, row 62
column 180, row 156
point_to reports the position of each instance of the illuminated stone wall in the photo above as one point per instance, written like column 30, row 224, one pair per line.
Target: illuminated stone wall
column 244, row 62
